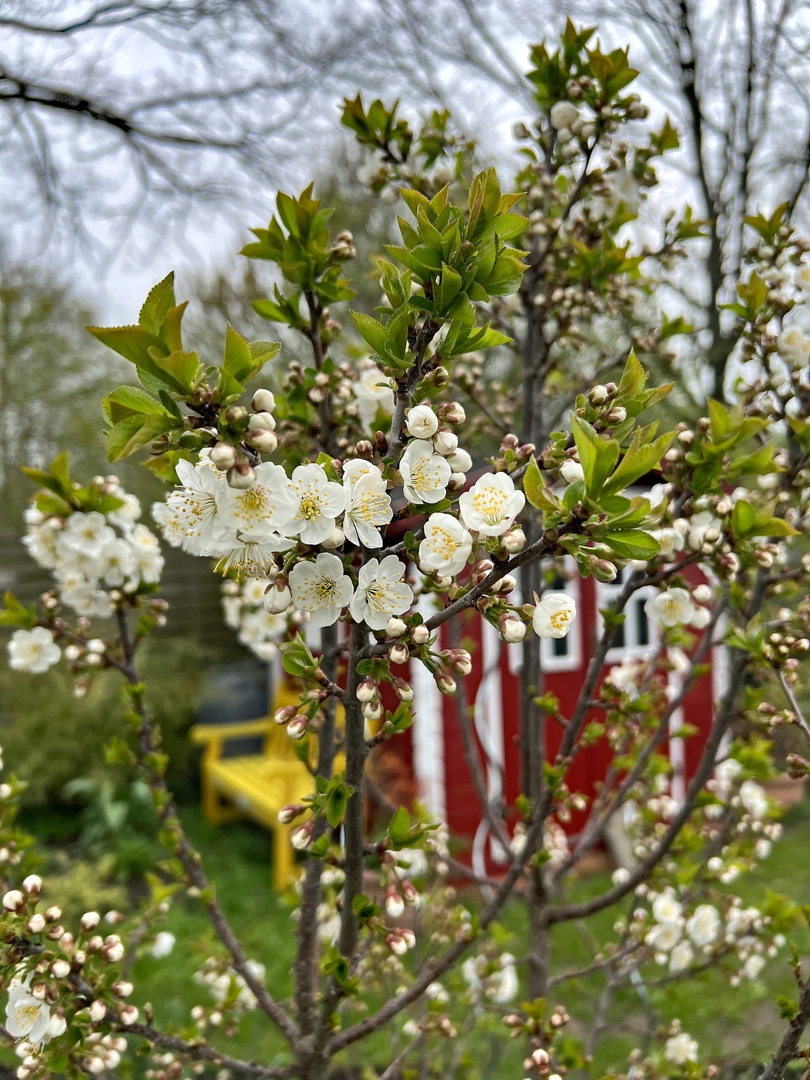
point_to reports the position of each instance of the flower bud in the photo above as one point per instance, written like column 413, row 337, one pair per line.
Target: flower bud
column 373, row 710
column 603, row 570
column 410, row 894
column 445, row 683
column 301, row 837
column 514, row 541
column 60, row 969
column 403, row 690
column 66, row 940
column 395, row 628
column 242, row 476
column 459, row 660
column 53, row 914
column 263, row 441
column 571, row 471
column 598, row 394
column 335, row 539
column 284, row 715
column 263, row 401
column 616, row 415
column 236, row 415
column 262, row 421
column 287, row 814
column 396, row 943
column 297, row 727
column 368, row 690
column 398, row 654
column 504, row 585
column 452, row 413
column 512, row 628
column 128, row 1014
column 460, row 461
column 122, row 988
column 394, row 904
column 36, row 924
column 114, row 953
column 445, row 442
column 98, row 1010
column 32, row 885
column 90, row 920
column 223, row 456
column 420, row 635
column 14, row 900
column 277, row 597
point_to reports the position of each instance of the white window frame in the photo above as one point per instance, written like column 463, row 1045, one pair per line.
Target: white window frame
column 606, row 593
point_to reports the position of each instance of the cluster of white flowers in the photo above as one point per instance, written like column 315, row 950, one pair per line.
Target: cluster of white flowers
column 93, row 554
column 494, row 981
column 94, row 558
column 373, row 392
column 220, row 982
column 681, row 1048
column 244, row 610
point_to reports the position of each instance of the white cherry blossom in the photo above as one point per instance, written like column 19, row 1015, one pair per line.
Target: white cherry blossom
column 681, row 957
column 268, row 506
column 374, row 393
column 670, row 607
column 422, row 422
column 666, row 908
column 319, row 502
column 752, row 966
column 705, row 925
column 446, row 545
column 793, row 345
column 33, row 650
column 681, row 1048
column 193, row 506
column 425, row 474
column 146, row 554
column 88, row 534
column 664, row 936
column 322, row 588
column 253, row 557
column 26, row 1017
column 554, row 614
column 368, row 504
column 753, row 798
column 381, row 592
column 491, row 505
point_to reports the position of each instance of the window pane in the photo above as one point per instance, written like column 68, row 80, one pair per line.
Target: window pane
column 617, row 641
column 559, row 646
column 643, row 623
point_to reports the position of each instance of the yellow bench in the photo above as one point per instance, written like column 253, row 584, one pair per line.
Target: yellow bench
column 256, row 785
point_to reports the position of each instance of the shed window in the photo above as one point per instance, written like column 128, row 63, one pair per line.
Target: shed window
column 636, row 634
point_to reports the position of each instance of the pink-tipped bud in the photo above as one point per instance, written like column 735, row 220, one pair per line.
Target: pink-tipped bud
column 14, row 900
column 480, row 570
column 264, row 441
column 223, row 456
column 373, row 710
column 510, row 442
column 262, row 421
column 452, row 413
column 263, row 401
column 60, row 969
column 368, row 690
column 36, row 924
column 394, row 904
column 90, row 920
column 128, row 1015
column 398, row 654
column 297, row 727
column 122, row 988
column 284, row 715
column 301, row 837
column 98, row 1010
column 32, row 885
column 458, row 660
column 53, row 914
column 241, row 476
column 445, row 683
column 410, row 894
column 403, row 690
column 396, row 943
column 287, row 814
column 513, row 541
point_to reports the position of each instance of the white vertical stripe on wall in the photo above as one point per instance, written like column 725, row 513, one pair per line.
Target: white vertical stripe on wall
column 428, row 730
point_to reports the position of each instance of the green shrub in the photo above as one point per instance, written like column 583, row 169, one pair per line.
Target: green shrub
column 49, row 737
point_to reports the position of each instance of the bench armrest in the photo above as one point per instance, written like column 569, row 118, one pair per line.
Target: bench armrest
column 207, row 733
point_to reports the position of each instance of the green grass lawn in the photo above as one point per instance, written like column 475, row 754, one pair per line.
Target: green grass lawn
column 735, row 1027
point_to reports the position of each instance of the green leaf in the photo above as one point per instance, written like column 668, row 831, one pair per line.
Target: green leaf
column 632, row 544
column 336, row 807
column 597, row 456
column 371, row 331
column 637, row 461
column 157, row 305
column 135, row 431
column 533, row 483
column 126, row 400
